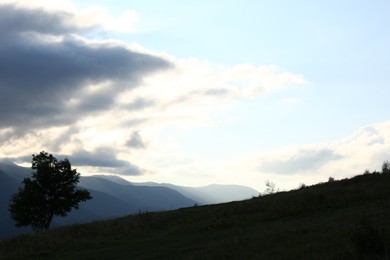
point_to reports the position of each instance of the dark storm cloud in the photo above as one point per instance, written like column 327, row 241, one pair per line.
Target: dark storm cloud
column 98, row 158
column 39, row 78
column 104, row 158
column 135, row 141
column 14, row 19
column 303, row 160
column 129, row 170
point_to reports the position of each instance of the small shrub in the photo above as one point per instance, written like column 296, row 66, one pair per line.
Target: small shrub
column 302, row 186
column 366, row 172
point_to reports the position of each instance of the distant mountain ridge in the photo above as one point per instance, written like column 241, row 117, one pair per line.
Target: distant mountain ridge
column 211, row 194
column 115, row 197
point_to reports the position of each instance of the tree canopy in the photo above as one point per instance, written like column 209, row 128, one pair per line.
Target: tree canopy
column 51, row 191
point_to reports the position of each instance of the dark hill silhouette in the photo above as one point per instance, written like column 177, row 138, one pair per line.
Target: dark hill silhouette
column 113, row 197
column 346, row 219
column 102, row 206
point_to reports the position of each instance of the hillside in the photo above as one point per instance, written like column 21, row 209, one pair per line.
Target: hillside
column 347, row 219
column 116, row 197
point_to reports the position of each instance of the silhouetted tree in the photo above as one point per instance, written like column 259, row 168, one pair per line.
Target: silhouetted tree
column 270, row 187
column 386, row 167
column 51, row 191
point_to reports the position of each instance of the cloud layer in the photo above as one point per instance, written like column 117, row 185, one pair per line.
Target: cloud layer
column 364, row 149
column 303, row 159
column 46, row 82
column 102, row 102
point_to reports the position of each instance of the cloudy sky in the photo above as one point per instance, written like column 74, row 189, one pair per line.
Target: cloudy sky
column 198, row 92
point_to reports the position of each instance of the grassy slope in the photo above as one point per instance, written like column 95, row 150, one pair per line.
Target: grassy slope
column 348, row 219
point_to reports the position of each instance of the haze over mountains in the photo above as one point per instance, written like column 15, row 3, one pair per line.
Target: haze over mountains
column 114, row 197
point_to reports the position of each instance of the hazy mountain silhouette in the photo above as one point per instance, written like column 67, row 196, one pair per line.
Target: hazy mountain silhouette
column 211, row 194
column 145, row 198
column 114, row 197
column 8, row 186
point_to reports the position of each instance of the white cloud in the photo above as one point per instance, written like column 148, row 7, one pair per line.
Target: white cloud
column 253, row 81
column 366, row 148
column 98, row 16
column 90, row 17
column 194, row 88
column 307, row 159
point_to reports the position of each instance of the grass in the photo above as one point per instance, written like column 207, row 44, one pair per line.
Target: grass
column 347, row 219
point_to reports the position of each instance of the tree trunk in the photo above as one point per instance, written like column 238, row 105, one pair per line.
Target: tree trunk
column 48, row 221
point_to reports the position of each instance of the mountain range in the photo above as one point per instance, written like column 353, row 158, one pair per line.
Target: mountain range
column 114, row 197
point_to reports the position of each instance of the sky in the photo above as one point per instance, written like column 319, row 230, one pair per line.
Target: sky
column 198, row 92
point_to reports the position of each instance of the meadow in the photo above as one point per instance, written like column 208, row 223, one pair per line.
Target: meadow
column 344, row 219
